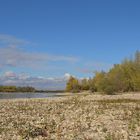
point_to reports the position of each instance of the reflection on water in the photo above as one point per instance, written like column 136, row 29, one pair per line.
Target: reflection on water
column 27, row 95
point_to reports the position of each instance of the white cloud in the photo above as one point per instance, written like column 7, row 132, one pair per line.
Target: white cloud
column 23, row 76
column 67, row 76
column 13, row 55
column 11, row 78
column 16, row 57
column 9, row 74
column 12, row 41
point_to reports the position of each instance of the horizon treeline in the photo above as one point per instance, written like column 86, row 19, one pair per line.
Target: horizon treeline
column 124, row 77
column 16, row 89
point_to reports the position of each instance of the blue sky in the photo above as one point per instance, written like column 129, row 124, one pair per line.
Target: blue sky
column 68, row 36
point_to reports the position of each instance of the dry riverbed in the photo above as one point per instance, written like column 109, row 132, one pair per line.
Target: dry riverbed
column 85, row 117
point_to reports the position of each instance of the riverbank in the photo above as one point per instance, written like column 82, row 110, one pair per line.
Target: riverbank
column 100, row 117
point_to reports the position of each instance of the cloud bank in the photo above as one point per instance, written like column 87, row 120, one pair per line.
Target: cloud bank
column 16, row 54
column 13, row 79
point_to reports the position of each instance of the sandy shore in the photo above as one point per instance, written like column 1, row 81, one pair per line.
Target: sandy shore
column 81, row 117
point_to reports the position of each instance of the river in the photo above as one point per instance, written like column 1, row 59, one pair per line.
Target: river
column 27, row 95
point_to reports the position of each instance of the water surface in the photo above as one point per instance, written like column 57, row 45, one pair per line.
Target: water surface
column 27, row 95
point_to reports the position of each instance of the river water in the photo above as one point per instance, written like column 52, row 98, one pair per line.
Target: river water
column 27, row 95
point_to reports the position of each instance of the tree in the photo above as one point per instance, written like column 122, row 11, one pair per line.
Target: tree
column 122, row 77
column 92, row 87
column 84, row 84
column 137, row 57
column 136, row 74
column 99, row 81
column 73, row 85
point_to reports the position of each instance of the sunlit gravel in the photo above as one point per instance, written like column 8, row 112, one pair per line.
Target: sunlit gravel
column 85, row 117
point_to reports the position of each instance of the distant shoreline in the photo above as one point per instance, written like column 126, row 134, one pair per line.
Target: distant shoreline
column 37, row 91
column 55, row 96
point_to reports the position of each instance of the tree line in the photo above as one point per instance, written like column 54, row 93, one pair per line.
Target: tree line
column 124, row 77
column 16, row 89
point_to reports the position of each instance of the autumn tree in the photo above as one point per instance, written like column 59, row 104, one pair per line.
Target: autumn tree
column 99, row 81
column 73, row 85
column 123, row 77
column 84, row 84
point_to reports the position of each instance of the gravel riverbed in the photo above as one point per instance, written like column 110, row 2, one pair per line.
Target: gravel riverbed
column 84, row 117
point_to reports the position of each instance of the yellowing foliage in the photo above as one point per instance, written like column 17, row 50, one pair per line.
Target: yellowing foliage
column 122, row 77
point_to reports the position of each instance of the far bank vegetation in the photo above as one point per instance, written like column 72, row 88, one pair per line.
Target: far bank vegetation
column 16, row 89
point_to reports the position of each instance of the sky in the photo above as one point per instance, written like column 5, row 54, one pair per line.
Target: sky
column 43, row 42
